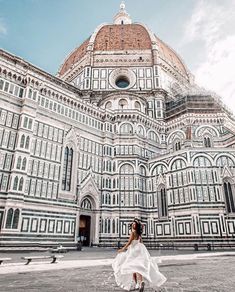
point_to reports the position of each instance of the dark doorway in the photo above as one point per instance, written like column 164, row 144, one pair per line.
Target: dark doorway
column 84, row 229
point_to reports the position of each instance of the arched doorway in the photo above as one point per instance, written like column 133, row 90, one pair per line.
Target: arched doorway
column 85, row 222
column 88, row 220
column 85, row 230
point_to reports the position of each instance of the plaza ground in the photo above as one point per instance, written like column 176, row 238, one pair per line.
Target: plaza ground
column 90, row 271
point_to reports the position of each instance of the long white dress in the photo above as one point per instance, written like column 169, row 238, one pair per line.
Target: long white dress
column 136, row 260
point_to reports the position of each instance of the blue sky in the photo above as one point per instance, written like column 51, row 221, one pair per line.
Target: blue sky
column 44, row 32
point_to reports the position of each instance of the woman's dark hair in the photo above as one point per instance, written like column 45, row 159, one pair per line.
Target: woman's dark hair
column 139, row 227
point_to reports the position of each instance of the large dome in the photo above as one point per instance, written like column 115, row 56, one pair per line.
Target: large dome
column 119, row 40
column 111, row 38
column 123, row 37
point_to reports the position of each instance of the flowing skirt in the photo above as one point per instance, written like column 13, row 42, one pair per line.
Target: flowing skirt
column 136, row 260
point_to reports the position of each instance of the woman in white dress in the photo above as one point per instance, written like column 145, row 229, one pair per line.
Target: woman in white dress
column 135, row 267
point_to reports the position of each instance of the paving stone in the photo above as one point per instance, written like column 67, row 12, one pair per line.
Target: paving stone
column 199, row 275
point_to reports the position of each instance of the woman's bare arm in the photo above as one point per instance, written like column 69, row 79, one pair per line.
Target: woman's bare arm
column 128, row 243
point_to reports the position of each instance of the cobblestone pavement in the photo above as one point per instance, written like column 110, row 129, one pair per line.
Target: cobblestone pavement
column 99, row 253
column 215, row 274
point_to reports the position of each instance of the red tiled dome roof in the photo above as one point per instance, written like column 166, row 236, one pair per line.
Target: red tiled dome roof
column 111, row 38
column 123, row 37
column 74, row 57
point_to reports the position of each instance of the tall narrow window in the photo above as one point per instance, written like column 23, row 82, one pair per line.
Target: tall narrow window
column 108, row 231
column 66, row 153
column 25, row 122
column 67, row 169
column 24, row 163
column 113, row 231
column 162, row 203
column 27, row 143
column 22, row 141
column 177, row 146
column 18, row 166
column 207, row 142
column 15, row 184
column 229, row 199
column 105, row 226
column 21, row 184
column 16, row 219
column 9, row 218
column 30, row 124
column 126, row 184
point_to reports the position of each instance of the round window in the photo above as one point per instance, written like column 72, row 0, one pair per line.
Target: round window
column 122, row 82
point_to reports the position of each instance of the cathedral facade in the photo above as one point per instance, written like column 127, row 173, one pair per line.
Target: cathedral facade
column 121, row 132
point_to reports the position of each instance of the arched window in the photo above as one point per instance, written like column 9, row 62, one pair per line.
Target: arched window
column 229, row 198
column 142, row 180
column 18, row 165
column 21, row 184
column 67, row 169
column 225, row 160
column 178, row 164
column 26, row 121
column 140, row 131
column 162, row 203
column 123, row 104
column 108, row 105
column 203, row 175
column 24, row 164
column 66, row 153
column 22, row 140
column 27, row 143
column 126, row 129
column 86, row 204
column 16, row 219
column 202, row 161
column 159, row 169
column 107, row 183
column 9, row 218
column 153, row 136
column 15, row 184
column 137, row 105
column 126, row 184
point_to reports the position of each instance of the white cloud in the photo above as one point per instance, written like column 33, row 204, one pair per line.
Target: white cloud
column 3, row 29
column 213, row 25
column 218, row 72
